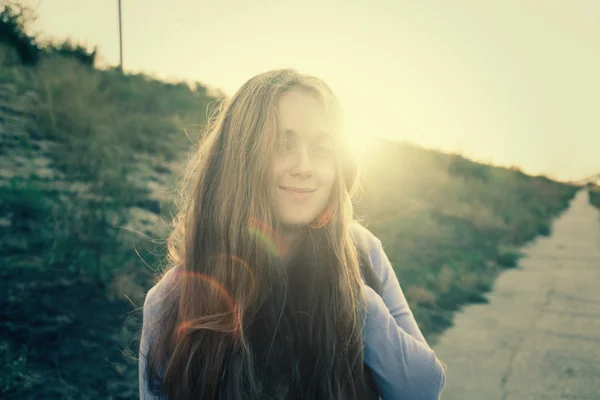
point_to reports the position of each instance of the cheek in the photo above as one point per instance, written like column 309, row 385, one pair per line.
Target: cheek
column 328, row 177
column 275, row 170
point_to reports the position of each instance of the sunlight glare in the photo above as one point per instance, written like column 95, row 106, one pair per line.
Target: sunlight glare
column 360, row 140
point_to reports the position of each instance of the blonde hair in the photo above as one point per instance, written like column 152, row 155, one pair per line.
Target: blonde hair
column 235, row 320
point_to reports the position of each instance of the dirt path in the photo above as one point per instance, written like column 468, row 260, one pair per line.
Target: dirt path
column 539, row 336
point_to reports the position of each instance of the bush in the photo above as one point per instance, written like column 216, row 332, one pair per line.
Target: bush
column 74, row 51
column 508, row 258
column 594, row 193
column 13, row 19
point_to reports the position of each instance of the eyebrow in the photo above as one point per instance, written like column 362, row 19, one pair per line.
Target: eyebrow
column 321, row 136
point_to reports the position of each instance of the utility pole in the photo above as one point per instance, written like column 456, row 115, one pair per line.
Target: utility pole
column 120, row 40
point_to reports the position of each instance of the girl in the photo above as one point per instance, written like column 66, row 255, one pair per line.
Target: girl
column 266, row 297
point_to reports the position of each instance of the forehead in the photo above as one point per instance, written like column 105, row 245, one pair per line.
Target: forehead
column 304, row 113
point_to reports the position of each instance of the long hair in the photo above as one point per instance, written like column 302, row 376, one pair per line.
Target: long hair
column 240, row 324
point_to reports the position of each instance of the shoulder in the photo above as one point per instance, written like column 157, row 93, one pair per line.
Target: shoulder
column 369, row 243
column 363, row 236
column 166, row 284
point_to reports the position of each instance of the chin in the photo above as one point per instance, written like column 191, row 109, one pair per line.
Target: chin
column 297, row 221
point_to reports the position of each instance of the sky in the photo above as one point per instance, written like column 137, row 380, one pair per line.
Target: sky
column 507, row 82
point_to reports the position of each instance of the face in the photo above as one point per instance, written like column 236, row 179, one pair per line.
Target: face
column 304, row 167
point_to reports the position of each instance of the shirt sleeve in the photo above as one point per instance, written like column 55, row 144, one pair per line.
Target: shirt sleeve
column 403, row 365
column 146, row 337
column 391, row 292
column 151, row 311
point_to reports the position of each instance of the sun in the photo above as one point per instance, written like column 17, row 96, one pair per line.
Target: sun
column 360, row 143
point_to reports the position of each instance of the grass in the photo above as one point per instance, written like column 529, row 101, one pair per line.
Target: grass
column 53, row 231
column 595, row 196
column 15, row 376
column 100, row 121
column 449, row 226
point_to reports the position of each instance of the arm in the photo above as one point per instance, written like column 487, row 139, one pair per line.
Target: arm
column 152, row 308
column 392, row 293
column 403, row 367
column 403, row 364
column 147, row 326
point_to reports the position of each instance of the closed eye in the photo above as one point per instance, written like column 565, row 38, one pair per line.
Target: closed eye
column 322, row 150
column 285, row 145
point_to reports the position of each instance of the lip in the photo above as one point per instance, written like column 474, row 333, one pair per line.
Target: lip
column 299, row 193
column 297, row 190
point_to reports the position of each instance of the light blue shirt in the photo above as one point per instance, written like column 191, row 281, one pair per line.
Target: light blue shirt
column 403, row 365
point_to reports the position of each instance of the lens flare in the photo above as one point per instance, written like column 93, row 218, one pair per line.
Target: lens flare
column 217, row 318
column 267, row 236
column 272, row 242
column 244, row 265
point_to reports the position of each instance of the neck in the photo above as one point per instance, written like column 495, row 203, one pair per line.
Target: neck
column 290, row 237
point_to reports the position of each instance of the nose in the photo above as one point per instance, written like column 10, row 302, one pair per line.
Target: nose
column 302, row 166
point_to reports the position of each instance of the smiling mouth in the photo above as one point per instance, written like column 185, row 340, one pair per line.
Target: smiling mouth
column 303, row 194
column 297, row 190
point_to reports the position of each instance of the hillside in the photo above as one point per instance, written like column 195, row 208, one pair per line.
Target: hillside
column 450, row 225
column 89, row 160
